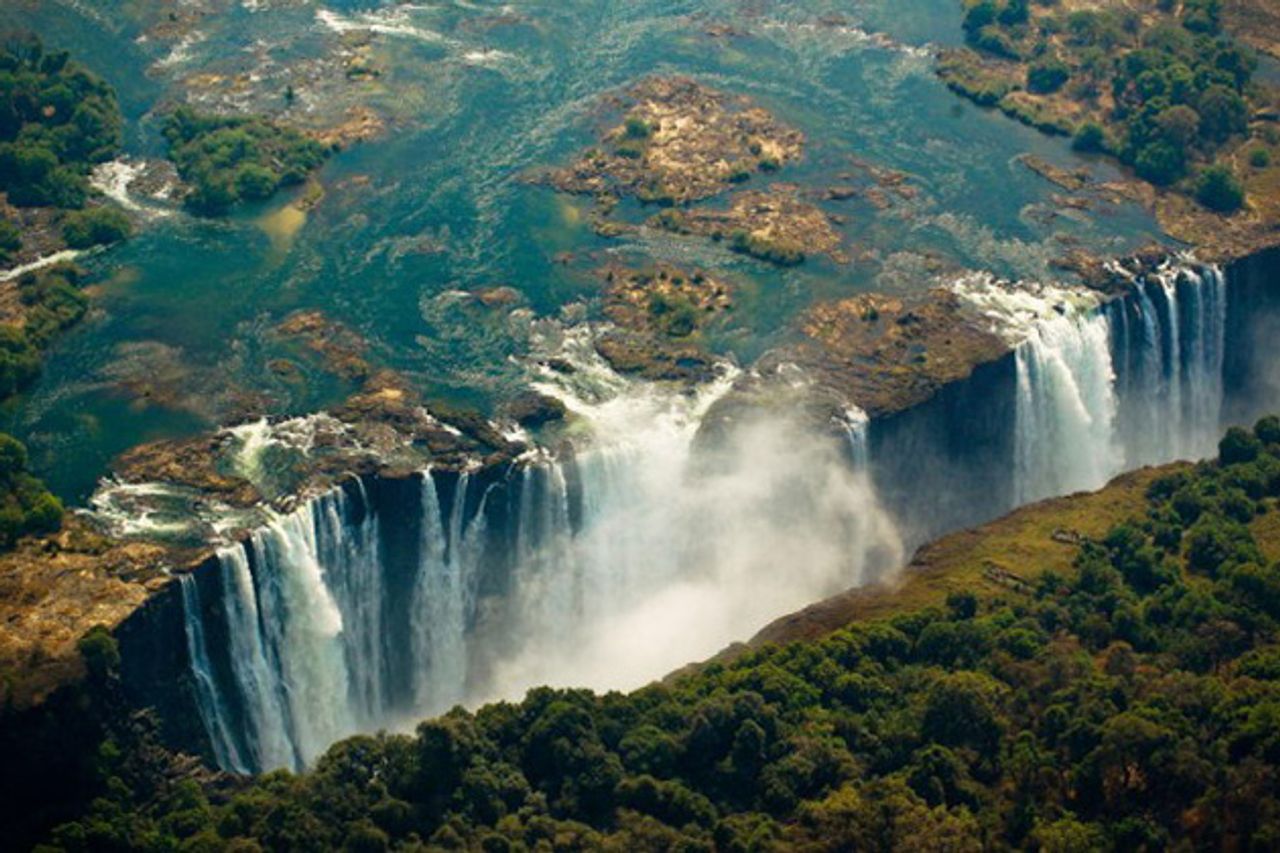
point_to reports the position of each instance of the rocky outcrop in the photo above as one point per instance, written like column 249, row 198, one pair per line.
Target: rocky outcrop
column 774, row 226
column 54, row 589
column 680, row 142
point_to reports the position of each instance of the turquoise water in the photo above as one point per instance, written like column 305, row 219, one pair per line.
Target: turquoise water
column 475, row 102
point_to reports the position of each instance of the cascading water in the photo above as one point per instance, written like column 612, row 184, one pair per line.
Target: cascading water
column 1066, row 407
column 606, row 565
column 627, row 554
column 1107, row 388
column 1169, row 350
column 208, row 697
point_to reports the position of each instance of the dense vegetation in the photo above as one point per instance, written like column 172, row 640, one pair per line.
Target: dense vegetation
column 226, row 160
column 1163, row 97
column 25, row 505
column 51, row 302
column 1133, row 703
column 56, row 121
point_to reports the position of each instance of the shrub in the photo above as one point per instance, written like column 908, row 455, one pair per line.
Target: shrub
column 1222, row 113
column 97, row 226
column 637, row 128
column 25, row 505
column 100, row 651
column 1219, row 190
column 746, row 243
column 10, row 240
column 1239, row 447
column 1259, row 158
column 1160, row 163
column 1090, row 137
column 1047, row 75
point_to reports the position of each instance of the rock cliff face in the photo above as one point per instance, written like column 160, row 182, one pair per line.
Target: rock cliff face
column 939, row 438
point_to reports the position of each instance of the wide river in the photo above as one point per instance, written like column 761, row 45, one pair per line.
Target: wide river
column 476, row 96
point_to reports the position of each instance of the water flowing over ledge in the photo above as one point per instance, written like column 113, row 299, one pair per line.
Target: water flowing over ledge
column 633, row 548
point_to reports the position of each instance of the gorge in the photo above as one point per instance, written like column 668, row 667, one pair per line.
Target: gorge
column 403, row 597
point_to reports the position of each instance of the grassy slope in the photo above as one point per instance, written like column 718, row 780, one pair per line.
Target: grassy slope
column 988, row 560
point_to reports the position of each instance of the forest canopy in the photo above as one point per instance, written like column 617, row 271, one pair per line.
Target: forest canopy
column 226, row 160
column 1163, row 92
column 1131, row 703
column 57, row 120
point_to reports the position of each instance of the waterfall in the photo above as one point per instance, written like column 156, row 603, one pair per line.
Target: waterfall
column 444, row 596
column 306, row 646
column 605, row 565
column 857, row 425
column 626, row 554
column 1066, row 407
column 208, row 696
column 1104, row 389
column 1172, row 362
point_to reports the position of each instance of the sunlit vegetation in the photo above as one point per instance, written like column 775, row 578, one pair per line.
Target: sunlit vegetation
column 98, row 226
column 1165, row 98
column 1132, row 702
column 56, row 121
column 226, row 160
column 51, row 302
column 25, row 505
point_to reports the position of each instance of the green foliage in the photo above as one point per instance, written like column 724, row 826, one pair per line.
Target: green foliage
column 26, row 507
column 1219, row 190
column 746, row 243
column 1047, row 75
column 101, row 652
column 674, row 314
column 56, row 121
column 1090, row 137
column 10, row 240
column 1180, row 89
column 1202, row 16
column 226, row 160
column 51, row 302
column 19, row 360
column 1259, row 158
column 96, row 226
column 637, row 128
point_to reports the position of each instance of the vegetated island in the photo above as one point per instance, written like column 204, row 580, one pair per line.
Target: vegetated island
column 681, row 144
column 57, row 121
column 228, row 159
column 1159, row 85
column 1095, row 672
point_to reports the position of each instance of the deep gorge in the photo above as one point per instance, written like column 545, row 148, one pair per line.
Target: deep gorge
column 403, row 597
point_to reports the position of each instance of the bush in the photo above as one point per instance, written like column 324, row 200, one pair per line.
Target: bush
column 1090, row 138
column 100, row 651
column 1239, row 447
column 1160, row 163
column 1219, row 190
column 19, row 361
column 637, row 128
column 1047, row 76
column 97, row 226
column 10, row 240
column 745, row 243
column 1259, row 158
column 1223, row 113
column 26, row 507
